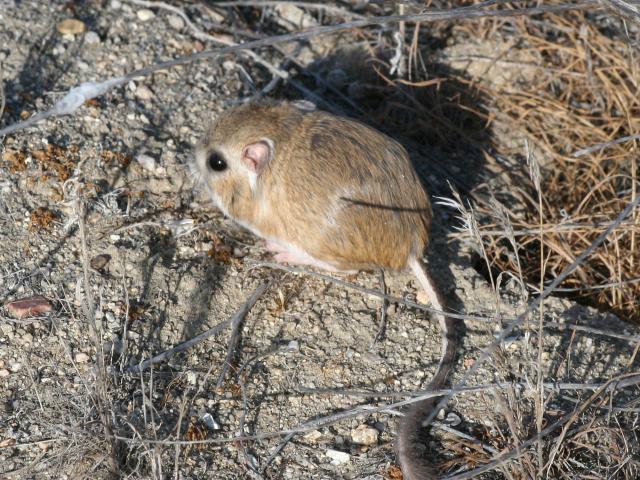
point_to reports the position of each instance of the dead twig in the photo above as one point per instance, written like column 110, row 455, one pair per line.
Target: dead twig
column 241, row 313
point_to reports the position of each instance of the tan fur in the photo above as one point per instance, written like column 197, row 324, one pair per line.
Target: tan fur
column 328, row 173
column 337, row 194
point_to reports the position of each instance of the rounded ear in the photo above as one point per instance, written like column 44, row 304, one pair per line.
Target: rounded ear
column 256, row 156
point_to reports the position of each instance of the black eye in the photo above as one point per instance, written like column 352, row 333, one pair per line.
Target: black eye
column 216, row 162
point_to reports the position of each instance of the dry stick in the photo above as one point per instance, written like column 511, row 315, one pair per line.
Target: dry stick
column 276, row 451
column 474, row 318
column 602, row 146
column 556, row 386
column 462, row 13
column 318, row 423
column 486, row 353
column 248, row 366
column 369, row 291
column 469, row 438
column 236, row 326
column 176, row 463
column 382, row 324
column 90, row 314
column 598, row 331
column 2, row 96
column 241, row 313
column 631, row 8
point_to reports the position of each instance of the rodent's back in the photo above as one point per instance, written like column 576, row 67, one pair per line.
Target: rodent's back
column 352, row 197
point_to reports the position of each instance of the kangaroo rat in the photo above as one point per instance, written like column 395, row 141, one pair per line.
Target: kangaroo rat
column 329, row 192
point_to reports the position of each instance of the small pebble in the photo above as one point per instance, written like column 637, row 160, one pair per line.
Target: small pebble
column 7, row 442
column 452, row 419
column 176, row 22
column 81, row 357
column 210, row 422
column 29, row 307
column 422, row 297
column 145, row 14
column 71, row 26
column 146, row 162
column 337, row 457
column 91, row 38
column 313, row 436
column 364, row 435
column 144, row 93
column 99, row 262
column 4, row 373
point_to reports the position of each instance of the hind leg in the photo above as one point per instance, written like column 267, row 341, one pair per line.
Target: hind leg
column 289, row 254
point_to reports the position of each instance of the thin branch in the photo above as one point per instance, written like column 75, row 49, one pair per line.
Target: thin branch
column 554, row 386
column 602, row 146
column 236, row 326
column 318, row 423
column 241, row 313
column 418, row 306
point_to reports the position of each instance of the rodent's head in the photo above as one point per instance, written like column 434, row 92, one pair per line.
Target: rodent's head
column 234, row 153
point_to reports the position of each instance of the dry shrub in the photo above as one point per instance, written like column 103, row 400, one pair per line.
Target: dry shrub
column 586, row 94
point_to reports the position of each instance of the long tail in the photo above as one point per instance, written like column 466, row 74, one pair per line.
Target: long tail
column 411, row 442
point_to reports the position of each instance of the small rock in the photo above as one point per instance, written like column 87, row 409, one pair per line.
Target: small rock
column 337, row 457
column 228, row 65
column 145, row 14
column 422, row 297
column 4, row 373
column 176, row 22
column 147, row 162
column 81, row 357
column 296, row 15
column 28, row 307
column 144, row 93
column 115, row 4
column 71, row 26
column 313, row 436
column 91, row 38
column 6, row 329
column 210, row 422
column 453, row 419
column 7, row 442
column 364, row 435
column 99, row 262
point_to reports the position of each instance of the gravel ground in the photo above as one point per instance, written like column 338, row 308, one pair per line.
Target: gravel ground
column 178, row 267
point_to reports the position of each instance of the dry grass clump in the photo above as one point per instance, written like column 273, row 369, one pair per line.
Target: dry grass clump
column 587, row 94
column 593, row 441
